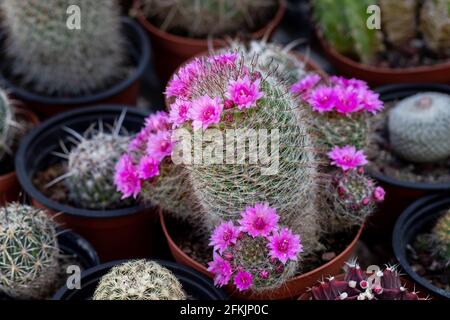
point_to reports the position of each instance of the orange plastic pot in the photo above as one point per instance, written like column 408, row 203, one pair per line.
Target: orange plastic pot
column 290, row 290
column 172, row 50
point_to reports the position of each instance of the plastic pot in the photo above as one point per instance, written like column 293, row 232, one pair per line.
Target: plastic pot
column 195, row 285
column 400, row 194
column 116, row 234
column 439, row 73
column 123, row 92
column 9, row 185
column 172, row 50
column 414, row 220
column 290, row 290
column 71, row 243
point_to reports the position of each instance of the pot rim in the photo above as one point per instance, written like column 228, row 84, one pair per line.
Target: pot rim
column 268, row 28
column 34, row 193
column 144, row 53
column 388, row 91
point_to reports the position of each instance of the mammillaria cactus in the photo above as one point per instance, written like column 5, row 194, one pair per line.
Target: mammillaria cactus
column 139, row 280
column 51, row 58
column 28, row 252
column 357, row 285
column 257, row 254
column 441, row 237
column 435, row 25
column 212, row 17
column 7, row 125
column 419, row 127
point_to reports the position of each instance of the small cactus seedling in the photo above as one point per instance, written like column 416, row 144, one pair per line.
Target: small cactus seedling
column 51, row 58
column 441, row 237
column 435, row 25
column 8, row 126
column 419, row 127
column 28, row 252
column 357, row 285
column 139, row 280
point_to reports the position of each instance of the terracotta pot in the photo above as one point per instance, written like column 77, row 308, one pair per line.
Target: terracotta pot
column 172, row 50
column 124, row 92
column 116, row 234
column 9, row 185
column 293, row 288
column 439, row 73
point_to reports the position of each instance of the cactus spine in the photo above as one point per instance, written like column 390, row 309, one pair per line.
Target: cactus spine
column 52, row 59
column 139, row 280
column 28, row 252
column 435, row 25
column 419, row 127
column 399, row 20
column 7, row 125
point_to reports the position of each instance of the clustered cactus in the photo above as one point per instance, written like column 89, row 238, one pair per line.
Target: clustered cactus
column 8, row 127
column 435, row 25
column 441, row 237
column 356, row 285
column 28, row 252
column 419, row 127
column 53, row 59
column 139, row 280
column 200, row 18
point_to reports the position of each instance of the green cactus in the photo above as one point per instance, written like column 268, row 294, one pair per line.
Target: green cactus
column 8, row 127
column 399, row 20
column 28, row 252
column 419, row 127
column 202, row 18
column 435, row 25
column 139, row 280
column 50, row 58
column 441, row 236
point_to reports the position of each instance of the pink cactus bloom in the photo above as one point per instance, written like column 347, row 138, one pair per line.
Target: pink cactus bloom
column 305, row 85
column 244, row 93
column 179, row 112
column 284, row 245
column 126, row 177
column 243, row 280
column 205, row 111
column 148, row 168
column 221, row 269
column 225, row 235
column 371, row 101
column 347, row 157
column 343, row 82
column 379, row 194
column 322, row 99
column 158, row 121
column 160, row 145
column 347, row 100
column 259, row 220
column 139, row 141
column 224, row 59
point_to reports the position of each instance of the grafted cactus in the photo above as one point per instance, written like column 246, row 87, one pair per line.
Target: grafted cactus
column 435, row 25
column 399, row 20
column 202, row 18
column 28, row 252
column 419, row 127
column 53, row 59
column 441, row 236
column 7, row 125
column 139, row 280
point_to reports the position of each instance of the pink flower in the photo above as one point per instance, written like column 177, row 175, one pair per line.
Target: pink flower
column 139, row 141
column 221, row 269
column 259, row 220
column 378, row 194
column 180, row 85
column 284, row 245
column 347, row 100
column 244, row 93
column 205, row 111
column 179, row 112
column 176, row 88
column 160, row 145
column 225, row 235
column 148, row 168
column 243, row 280
column 306, row 84
column 126, row 177
column 228, row 58
column 343, row 82
column 371, row 101
column 157, row 122
column 322, row 99
column 347, row 157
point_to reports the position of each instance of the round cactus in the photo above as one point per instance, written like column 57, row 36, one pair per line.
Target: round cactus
column 139, row 280
column 399, row 20
column 441, row 236
column 28, row 252
column 53, row 59
column 7, row 125
column 419, row 127
column 435, row 25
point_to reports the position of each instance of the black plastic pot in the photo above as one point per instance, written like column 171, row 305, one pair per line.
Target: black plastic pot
column 116, row 234
column 400, row 194
column 196, row 285
column 71, row 243
column 414, row 220
column 123, row 92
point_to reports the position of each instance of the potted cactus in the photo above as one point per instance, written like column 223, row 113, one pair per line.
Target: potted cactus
column 406, row 155
column 213, row 96
column 142, row 280
column 181, row 29
column 52, row 66
column 14, row 123
column 34, row 257
column 421, row 242
column 67, row 165
column 411, row 45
